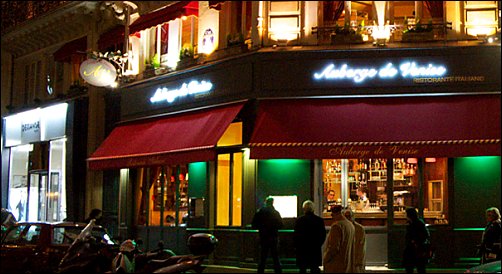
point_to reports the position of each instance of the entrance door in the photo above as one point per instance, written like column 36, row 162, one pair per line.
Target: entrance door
column 37, row 196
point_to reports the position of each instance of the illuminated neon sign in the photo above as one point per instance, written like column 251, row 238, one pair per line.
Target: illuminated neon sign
column 192, row 88
column 388, row 71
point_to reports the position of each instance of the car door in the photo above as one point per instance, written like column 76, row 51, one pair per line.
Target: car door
column 20, row 247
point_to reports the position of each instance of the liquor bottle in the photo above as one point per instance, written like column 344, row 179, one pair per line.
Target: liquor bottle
column 377, row 164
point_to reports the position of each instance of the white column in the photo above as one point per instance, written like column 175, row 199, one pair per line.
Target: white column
column 418, row 11
column 348, row 12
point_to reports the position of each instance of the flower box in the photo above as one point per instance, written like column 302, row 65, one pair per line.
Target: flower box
column 341, row 38
column 418, row 36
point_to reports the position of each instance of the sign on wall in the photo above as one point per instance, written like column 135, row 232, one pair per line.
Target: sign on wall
column 194, row 87
column 36, row 125
column 98, row 72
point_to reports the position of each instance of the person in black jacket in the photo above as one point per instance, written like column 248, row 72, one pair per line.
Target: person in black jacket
column 417, row 238
column 490, row 241
column 309, row 236
column 268, row 221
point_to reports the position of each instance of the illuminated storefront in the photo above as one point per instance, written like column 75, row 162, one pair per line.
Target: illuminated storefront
column 37, row 165
column 391, row 129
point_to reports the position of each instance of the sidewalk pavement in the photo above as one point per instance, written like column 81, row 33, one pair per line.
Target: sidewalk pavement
column 369, row 269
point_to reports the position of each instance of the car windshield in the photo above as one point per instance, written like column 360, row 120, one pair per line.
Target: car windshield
column 14, row 234
column 67, row 234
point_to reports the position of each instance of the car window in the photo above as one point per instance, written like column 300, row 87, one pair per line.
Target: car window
column 65, row 235
column 32, row 236
column 14, row 234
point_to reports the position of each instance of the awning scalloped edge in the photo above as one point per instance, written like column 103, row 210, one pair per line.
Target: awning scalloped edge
column 392, row 143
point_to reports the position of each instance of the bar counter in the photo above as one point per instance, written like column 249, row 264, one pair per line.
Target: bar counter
column 376, row 217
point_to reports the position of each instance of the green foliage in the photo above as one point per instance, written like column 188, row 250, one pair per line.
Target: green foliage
column 345, row 30
column 156, row 60
column 235, row 39
column 187, row 52
column 418, row 27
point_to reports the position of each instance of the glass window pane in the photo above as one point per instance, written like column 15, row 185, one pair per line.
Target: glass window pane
column 223, row 190
column 436, row 191
column 183, row 195
column 284, row 6
column 405, row 187
column 237, row 190
column 170, row 197
column 332, row 178
column 57, row 177
column 18, row 181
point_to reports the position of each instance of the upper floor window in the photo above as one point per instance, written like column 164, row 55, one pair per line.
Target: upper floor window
column 284, row 20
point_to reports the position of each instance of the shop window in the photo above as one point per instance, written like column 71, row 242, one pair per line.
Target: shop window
column 361, row 184
column 229, row 189
column 168, row 200
column 18, row 181
column 436, row 191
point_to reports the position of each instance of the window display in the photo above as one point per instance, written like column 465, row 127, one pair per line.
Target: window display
column 169, row 196
column 361, row 184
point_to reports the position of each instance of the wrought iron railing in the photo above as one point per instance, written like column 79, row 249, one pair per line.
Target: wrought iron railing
column 15, row 13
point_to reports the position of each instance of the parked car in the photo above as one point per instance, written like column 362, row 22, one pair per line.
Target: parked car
column 8, row 220
column 492, row 267
column 30, row 247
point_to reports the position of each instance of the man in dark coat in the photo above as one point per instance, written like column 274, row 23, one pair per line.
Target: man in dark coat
column 416, row 239
column 268, row 221
column 309, row 236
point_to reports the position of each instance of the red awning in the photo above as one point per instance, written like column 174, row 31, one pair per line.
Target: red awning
column 437, row 126
column 184, row 138
column 163, row 15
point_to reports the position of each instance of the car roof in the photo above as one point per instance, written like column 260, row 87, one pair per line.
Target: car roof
column 58, row 224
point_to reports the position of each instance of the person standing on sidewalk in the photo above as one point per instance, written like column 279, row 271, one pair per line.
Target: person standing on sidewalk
column 360, row 245
column 309, row 235
column 339, row 250
column 268, row 221
column 490, row 241
column 417, row 238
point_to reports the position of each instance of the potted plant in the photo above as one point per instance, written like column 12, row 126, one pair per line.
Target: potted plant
column 187, row 57
column 347, row 35
column 149, row 69
column 417, row 32
column 237, row 40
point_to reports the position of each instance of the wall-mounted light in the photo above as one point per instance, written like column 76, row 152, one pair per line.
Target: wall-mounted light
column 411, row 160
column 430, row 160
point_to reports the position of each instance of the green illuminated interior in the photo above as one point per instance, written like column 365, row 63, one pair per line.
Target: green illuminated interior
column 476, row 188
column 283, row 177
column 197, row 179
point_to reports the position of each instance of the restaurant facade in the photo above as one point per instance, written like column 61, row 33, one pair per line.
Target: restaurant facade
column 222, row 103
column 200, row 150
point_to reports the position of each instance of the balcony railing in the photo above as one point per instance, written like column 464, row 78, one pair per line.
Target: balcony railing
column 15, row 13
